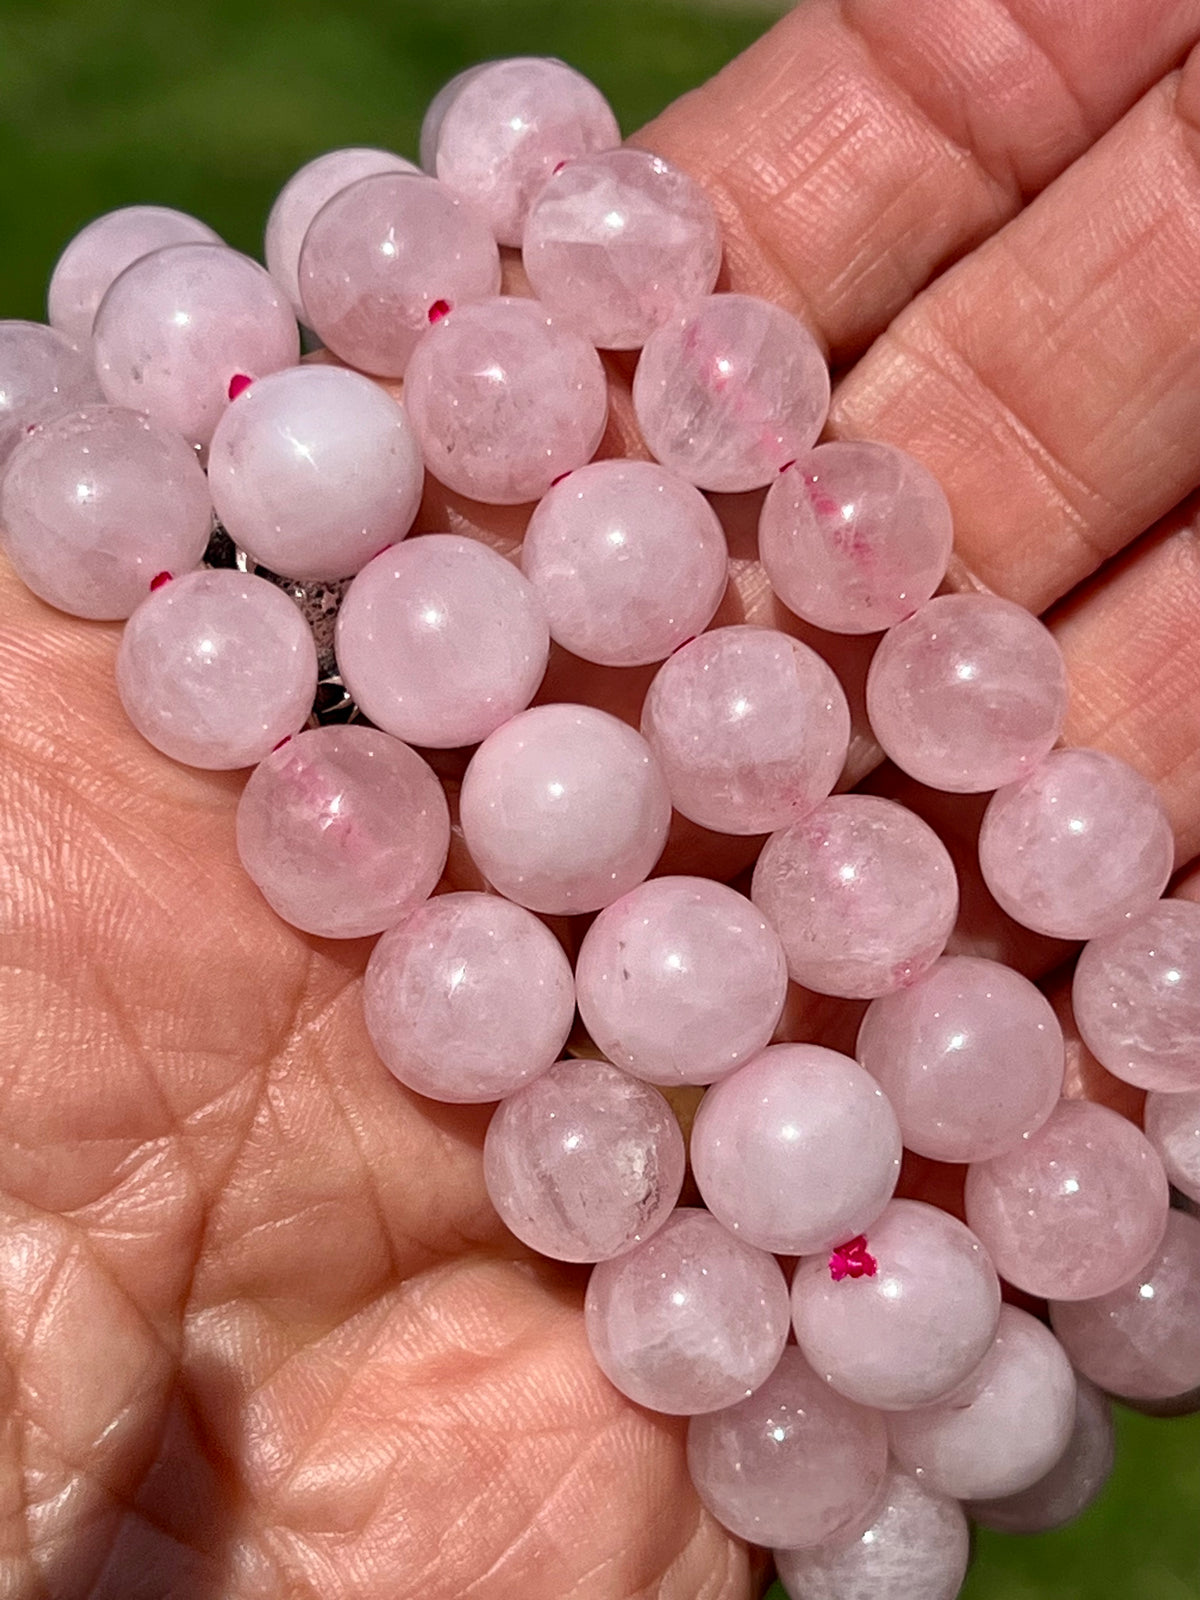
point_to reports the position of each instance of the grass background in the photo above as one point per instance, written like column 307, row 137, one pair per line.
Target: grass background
column 209, row 106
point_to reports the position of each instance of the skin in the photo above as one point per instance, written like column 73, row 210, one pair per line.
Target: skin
column 260, row 1333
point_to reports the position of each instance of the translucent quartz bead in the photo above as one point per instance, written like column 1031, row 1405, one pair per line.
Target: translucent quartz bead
column 680, row 981
column 468, row 998
column 792, row 1464
column 215, row 668
column 303, row 195
column 618, row 242
column 1001, row 1430
column 496, row 133
column 179, row 324
column 584, row 1162
column 441, row 640
column 505, row 399
column 1086, row 1175
column 907, row 1335
column 731, row 392
column 968, row 694
column 1078, row 848
column 42, row 375
column 692, row 1320
column 862, row 893
column 917, row 1548
column 1142, row 1340
column 630, row 562
column 101, row 252
column 383, row 259
column 1173, row 1128
column 796, row 1152
column 344, row 829
column 314, row 470
column 1136, row 998
column 855, row 536
column 96, row 504
column 1071, row 1485
column 751, row 728
column 970, row 1055
column 564, row 809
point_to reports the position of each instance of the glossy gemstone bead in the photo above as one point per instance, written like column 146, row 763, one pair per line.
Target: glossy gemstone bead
column 1071, row 1485
column 1173, row 1128
column 42, row 375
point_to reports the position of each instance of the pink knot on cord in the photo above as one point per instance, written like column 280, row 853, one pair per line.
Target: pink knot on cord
column 852, row 1260
column 238, row 384
column 438, row 310
column 157, row 581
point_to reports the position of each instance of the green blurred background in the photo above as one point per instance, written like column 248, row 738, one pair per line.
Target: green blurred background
column 209, row 106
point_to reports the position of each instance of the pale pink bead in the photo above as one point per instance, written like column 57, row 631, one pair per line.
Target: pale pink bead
column 855, row 536
column 383, row 259
column 751, row 728
column 792, row 1464
column 313, row 470
column 1136, row 998
column 917, row 1548
column 215, row 668
column 968, row 694
column 180, row 324
column 862, row 893
column 680, row 981
column 1079, row 848
column 1173, row 1128
column 1074, row 1481
column 441, row 640
column 797, row 1151
column 630, row 562
column 1086, row 1176
column 42, row 375
column 344, row 829
column 1142, row 1340
column 505, row 399
column 584, row 1162
column 496, row 133
column 1001, row 1430
column 564, row 809
column 101, row 252
column 618, row 242
column 910, row 1332
column 730, row 392
column 692, row 1320
column 303, row 195
column 97, row 503
column 970, row 1055
column 468, row 998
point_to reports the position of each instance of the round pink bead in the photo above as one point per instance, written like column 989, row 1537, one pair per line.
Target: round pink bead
column 680, row 981
column 215, row 668
column 1071, row 1485
column 798, row 1151
column 1001, row 1430
column 690, row 1321
column 180, row 324
column 618, row 242
column 970, row 1055
column 1173, row 1128
column 468, row 998
column 383, row 259
column 1078, row 848
column 97, row 503
column 862, row 893
column 792, row 1464
column 751, row 728
column 497, row 132
column 730, row 392
column 629, row 560
column 1136, row 998
column 101, row 252
column 564, row 809
column 584, row 1162
column 441, row 640
column 313, row 470
column 918, row 1327
column 917, row 1548
column 505, row 399
column 968, row 694
column 344, row 829
column 42, row 375
column 855, row 536
column 1086, row 1175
